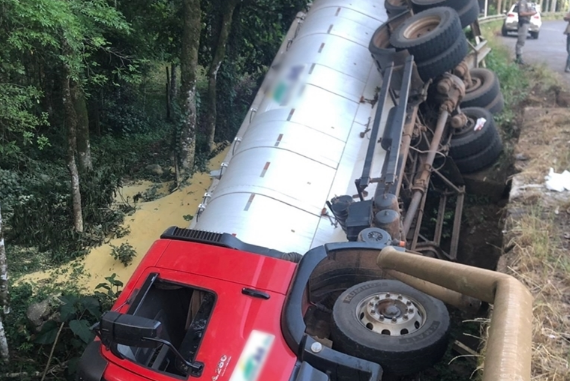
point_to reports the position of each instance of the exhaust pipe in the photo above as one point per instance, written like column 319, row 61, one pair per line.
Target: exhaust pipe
column 508, row 354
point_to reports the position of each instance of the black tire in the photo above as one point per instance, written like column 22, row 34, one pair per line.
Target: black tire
column 469, row 13
column 484, row 89
column 444, row 62
column 468, row 10
column 534, row 35
column 482, row 159
column 497, row 105
column 400, row 354
column 428, row 34
column 380, row 49
column 395, row 9
column 423, row 5
column 466, row 142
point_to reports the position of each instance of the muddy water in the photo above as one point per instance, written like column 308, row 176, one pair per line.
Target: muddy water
column 145, row 225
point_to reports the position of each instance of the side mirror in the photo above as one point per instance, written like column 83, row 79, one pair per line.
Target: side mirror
column 129, row 330
column 137, row 331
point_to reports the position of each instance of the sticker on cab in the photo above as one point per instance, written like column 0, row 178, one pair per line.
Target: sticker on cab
column 253, row 356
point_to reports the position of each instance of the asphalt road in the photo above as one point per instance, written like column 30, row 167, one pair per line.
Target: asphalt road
column 549, row 48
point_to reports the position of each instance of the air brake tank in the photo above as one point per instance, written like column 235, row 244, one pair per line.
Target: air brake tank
column 300, row 145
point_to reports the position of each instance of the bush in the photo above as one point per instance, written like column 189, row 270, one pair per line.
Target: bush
column 67, row 330
column 124, row 253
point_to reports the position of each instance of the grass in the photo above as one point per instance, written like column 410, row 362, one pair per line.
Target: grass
column 541, row 261
column 539, row 221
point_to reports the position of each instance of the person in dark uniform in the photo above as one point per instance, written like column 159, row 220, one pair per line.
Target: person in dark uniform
column 567, row 33
column 525, row 12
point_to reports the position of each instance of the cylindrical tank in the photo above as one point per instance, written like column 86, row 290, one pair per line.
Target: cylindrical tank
column 388, row 220
column 301, row 145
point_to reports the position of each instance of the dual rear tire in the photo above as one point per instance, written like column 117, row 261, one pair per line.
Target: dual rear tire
column 435, row 38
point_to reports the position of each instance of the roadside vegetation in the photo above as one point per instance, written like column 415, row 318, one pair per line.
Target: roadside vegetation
column 537, row 227
column 94, row 95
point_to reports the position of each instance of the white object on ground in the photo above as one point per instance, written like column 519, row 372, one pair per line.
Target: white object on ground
column 480, row 124
column 557, row 181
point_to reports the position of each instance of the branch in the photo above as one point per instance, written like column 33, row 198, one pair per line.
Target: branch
column 51, row 352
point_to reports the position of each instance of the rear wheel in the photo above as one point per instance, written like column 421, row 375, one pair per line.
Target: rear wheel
column 428, row 34
column 469, row 13
column 497, row 105
column 482, row 159
column 466, row 142
column 483, row 90
column 390, row 323
column 468, row 10
column 395, row 7
column 445, row 61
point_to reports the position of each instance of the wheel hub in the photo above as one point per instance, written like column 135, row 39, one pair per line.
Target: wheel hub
column 422, row 27
column 391, row 314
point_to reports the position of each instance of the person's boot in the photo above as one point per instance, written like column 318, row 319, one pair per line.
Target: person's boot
column 519, row 60
column 567, row 69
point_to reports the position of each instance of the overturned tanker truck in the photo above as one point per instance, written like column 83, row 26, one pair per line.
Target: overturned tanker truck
column 308, row 259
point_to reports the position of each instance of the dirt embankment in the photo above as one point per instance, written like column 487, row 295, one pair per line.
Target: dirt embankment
column 537, row 228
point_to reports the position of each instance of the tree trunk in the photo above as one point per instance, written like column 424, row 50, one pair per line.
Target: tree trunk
column 83, row 145
column 71, row 121
column 210, row 111
column 94, row 106
column 173, row 84
column 168, row 98
column 4, row 302
column 553, row 5
column 500, row 7
column 188, row 66
column 4, row 352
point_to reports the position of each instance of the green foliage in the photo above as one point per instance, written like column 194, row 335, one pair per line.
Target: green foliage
column 108, row 292
column 124, row 253
column 18, row 122
column 512, row 77
column 41, row 215
column 72, row 313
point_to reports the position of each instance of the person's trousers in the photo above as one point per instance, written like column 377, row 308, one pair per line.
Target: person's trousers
column 568, row 51
column 523, row 31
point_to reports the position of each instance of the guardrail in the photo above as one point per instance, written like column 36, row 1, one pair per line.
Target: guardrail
column 483, row 20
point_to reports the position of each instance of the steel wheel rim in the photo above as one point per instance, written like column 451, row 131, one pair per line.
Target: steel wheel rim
column 476, row 83
column 467, row 127
column 391, row 314
column 422, row 27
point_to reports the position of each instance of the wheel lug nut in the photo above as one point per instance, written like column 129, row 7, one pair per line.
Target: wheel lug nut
column 399, row 297
column 377, row 297
column 394, row 319
column 406, row 317
column 411, row 310
column 408, row 303
column 387, row 294
column 381, row 317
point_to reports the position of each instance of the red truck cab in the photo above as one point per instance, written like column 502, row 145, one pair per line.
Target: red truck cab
column 207, row 306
